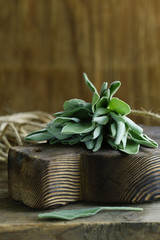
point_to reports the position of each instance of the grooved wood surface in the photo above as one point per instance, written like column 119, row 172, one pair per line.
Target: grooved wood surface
column 46, row 47
column 44, row 175
column 18, row 222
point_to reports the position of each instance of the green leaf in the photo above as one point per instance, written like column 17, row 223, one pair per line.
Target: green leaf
column 120, row 132
column 40, row 135
column 114, row 87
column 131, row 147
column 86, row 138
column 102, row 120
column 60, row 121
column 73, row 103
column 100, row 111
column 74, row 140
column 54, row 141
column 90, row 144
column 111, row 142
column 78, row 128
column 57, row 132
column 102, row 103
column 103, row 89
column 119, row 106
column 117, row 117
column 113, row 129
column 79, row 213
column 89, row 84
column 94, row 101
column 142, row 139
column 98, row 143
column 80, row 112
column 107, row 94
column 125, row 137
column 97, row 132
column 132, row 125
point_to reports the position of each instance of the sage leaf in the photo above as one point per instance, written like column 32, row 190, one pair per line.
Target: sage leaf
column 97, row 132
column 102, row 120
column 86, row 138
column 81, row 213
column 90, row 144
column 89, row 84
column 78, row 128
column 116, row 117
column 120, row 132
column 113, row 129
column 40, row 135
column 131, row 147
column 73, row 103
column 103, row 89
column 107, row 94
column 98, row 143
column 57, row 133
column 100, row 111
column 102, row 103
column 119, row 106
column 142, row 139
column 114, row 87
column 94, row 101
column 132, row 125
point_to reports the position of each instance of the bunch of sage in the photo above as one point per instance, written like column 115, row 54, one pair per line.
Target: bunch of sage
column 104, row 121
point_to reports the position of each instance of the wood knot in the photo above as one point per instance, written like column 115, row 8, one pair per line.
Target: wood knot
column 38, row 150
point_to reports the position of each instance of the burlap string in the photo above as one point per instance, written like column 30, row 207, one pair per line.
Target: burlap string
column 14, row 128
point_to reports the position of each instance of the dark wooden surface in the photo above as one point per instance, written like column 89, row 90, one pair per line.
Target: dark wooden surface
column 18, row 222
column 46, row 47
column 44, row 175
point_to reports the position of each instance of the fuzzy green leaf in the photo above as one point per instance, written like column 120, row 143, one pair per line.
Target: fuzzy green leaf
column 78, row 128
column 102, row 103
column 103, row 89
column 114, row 87
column 94, row 101
column 98, row 143
column 102, row 120
column 120, row 132
column 40, row 135
column 119, row 106
column 90, row 144
column 142, row 139
column 97, row 131
column 80, row 213
column 89, row 84
column 132, row 125
column 131, row 147
column 73, row 103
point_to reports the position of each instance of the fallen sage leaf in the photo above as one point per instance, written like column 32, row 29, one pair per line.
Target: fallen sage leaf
column 80, row 213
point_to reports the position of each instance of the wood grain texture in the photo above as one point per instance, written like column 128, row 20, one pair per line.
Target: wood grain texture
column 46, row 47
column 43, row 175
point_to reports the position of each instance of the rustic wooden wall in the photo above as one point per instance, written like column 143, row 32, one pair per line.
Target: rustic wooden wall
column 45, row 45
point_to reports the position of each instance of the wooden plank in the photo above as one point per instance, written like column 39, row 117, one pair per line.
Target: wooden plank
column 44, row 175
column 18, row 222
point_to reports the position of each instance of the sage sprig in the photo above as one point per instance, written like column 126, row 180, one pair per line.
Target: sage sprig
column 104, row 121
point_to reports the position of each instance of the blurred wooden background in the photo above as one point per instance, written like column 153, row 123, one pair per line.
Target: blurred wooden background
column 45, row 45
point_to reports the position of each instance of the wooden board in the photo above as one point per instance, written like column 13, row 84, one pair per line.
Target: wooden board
column 43, row 175
column 19, row 222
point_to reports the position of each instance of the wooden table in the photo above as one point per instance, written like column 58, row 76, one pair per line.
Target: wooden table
column 22, row 223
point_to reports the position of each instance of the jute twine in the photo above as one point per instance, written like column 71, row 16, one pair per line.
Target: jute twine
column 14, row 128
